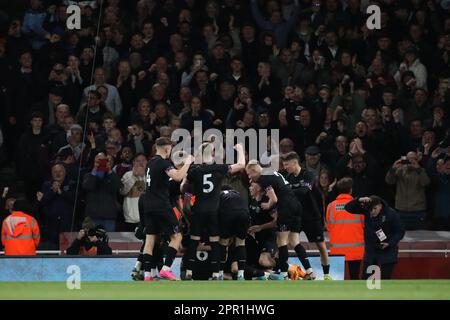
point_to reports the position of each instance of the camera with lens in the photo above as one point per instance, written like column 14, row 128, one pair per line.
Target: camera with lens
column 99, row 232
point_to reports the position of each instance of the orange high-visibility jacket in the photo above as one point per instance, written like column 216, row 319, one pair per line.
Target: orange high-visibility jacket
column 346, row 230
column 20, row 234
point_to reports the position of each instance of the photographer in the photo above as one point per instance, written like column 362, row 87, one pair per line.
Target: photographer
column 411, row 181
column 383, row 231
column 92, row 242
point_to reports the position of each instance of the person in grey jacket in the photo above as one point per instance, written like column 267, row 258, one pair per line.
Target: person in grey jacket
column 383, row 231
column 102, row 186
column 410, row 199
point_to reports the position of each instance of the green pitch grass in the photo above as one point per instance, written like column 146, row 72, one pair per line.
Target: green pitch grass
column 230, row 290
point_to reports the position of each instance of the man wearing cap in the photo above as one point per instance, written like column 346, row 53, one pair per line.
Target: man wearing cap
column 312, row 161
column 75, row 142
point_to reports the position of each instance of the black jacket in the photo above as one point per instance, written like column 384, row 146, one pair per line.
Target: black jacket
column 75, row 249
column 389, row 221
column 101, row 195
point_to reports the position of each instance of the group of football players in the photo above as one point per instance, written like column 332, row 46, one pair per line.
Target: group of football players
column 187, row 206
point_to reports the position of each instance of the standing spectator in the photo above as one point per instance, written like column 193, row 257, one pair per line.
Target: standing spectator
column 133, row 185
column 361, row 167
column 113, row 99
column 101, row 186
column 438, row 169
column 20, row 231
column 312, row 162
column 56, row 200
column 33, row 24
column 410, row 199
column 32, row 148
column 412, row 63
column 383, row 231
column 276, row 24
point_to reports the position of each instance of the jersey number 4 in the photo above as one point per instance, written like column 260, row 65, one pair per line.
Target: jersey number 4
column 281, row 176
column 148, row 179
column 208, row 186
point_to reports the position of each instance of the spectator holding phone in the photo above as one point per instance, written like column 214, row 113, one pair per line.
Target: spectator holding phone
column 383, row 231
column 101, row 186
column 411, row 181
column 438, row 169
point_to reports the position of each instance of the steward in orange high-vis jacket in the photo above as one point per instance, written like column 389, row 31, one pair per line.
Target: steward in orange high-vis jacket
column 20, row 232
column 346, row 230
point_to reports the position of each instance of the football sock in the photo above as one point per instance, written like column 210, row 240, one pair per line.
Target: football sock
column 215, row 257
column 283, row 254
column 170, row 256
column 148, row 259
column 191, row 252
column 326, row 269
column 154, row 272
column 223, row 256
column 301, row 254
column 241, row 273
column 240, row 257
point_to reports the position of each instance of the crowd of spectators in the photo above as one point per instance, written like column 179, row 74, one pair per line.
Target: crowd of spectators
column 369, row 104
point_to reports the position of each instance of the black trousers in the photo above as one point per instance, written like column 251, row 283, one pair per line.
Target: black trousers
column 354, row 269
column 386, row 269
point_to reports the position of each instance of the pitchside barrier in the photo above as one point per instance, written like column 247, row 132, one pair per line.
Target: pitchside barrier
column 117, row 268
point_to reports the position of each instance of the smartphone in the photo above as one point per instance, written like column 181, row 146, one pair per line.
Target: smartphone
column 102, row 165
column 444, row 150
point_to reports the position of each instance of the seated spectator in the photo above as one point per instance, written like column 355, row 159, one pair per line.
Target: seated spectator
column 56, row 200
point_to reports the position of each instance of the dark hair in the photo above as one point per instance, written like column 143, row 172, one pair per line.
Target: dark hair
column 345, row 185
column 139, row 155
column 374, row 201
column 37, row 114
column 109, row 115
column 23, row 206
column 96, row 93
column 291, row 156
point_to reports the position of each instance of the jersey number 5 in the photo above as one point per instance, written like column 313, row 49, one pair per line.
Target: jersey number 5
column 208, row 186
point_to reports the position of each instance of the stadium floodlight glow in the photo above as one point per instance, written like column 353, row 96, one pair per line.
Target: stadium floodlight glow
column 263, row 145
